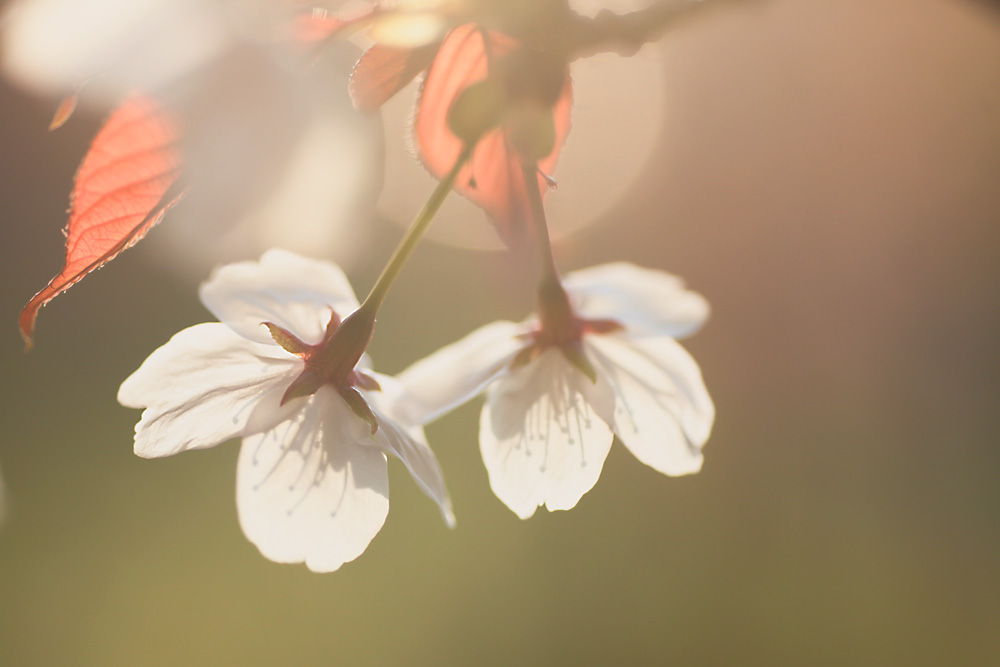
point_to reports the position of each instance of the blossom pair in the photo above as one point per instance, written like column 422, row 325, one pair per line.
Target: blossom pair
column 311, row 478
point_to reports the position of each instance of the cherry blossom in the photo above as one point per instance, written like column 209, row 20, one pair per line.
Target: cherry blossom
column 311, row 478
column 560, row 386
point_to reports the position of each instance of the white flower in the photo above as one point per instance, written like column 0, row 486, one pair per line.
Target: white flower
column 554, row 399
column 311, row 481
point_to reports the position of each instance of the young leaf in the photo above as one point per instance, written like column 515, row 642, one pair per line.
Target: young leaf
column 65, row 109
column 383, row 71
column 315, row 27
column 318, row 26
column 493, row 179
column 124, row 185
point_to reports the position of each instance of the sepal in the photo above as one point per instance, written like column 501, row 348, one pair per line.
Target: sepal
column 306, row 384
column 574, row 353
column 359, row 406
column 287, row 340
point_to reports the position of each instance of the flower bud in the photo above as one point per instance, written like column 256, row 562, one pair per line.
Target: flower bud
column 532, row 131
column 477, row 110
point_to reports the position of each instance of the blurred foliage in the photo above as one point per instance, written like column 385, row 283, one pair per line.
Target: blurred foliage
column 826, row 177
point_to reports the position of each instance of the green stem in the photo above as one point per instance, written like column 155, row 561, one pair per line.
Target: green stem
column 554, row 310
column 413, row 234
column 559, row 325
column 342, row 352
column 549, row 271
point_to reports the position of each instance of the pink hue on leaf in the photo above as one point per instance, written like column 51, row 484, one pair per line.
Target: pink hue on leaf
column 65, row 109
column 311, row 28
column 124, row 185
column 318, row 25
column 493, row 178
column 385, row 70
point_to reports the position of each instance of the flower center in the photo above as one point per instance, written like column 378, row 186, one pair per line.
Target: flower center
column 560, row 326
column 333, row 362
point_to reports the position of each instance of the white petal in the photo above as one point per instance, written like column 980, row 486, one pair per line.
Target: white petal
column 201, row 387
column 541, row 434
column 408, row 444
column 457, row 372
column 284, row 288
column 646, row 301
column 313, row 489
column 419, row 460
column 663, row 414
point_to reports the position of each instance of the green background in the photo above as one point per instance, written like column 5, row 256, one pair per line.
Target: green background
column 827, row 177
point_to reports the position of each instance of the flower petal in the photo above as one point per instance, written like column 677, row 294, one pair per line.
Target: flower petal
column 419, row 460
column 201, row 387
column 663, row 414
column 291, row 291
column 312, row 489
column 457, row 372
column 408, row 444
column 541, row 434
column 646, row 301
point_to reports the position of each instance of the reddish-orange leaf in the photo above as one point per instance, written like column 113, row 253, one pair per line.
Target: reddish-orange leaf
column 383, row 71
column 65, row 109
column 318, row 25
column 315, row 27
column 493, row 179
column 123, row 187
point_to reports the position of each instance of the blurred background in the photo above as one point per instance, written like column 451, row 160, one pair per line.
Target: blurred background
column 826, row 173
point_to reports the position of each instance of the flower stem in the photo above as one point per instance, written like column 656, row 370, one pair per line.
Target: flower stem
column 345, row 348
column 625, row 34
column 554, row 310
column 414, row 234
column 549, row 271
column 559, row 325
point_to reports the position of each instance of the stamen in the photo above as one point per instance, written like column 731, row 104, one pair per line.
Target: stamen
column 286, row 446
column 579, row 430
column 340, row 500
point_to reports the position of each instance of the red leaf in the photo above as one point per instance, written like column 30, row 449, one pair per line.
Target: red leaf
column 316, row 27
column 383, row 71
column 319, row 26
column 123, row 187
column 66, row 108
column 493, row 179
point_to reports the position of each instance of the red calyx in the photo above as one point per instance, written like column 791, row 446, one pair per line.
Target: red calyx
column 560, row 326
column 332, row 362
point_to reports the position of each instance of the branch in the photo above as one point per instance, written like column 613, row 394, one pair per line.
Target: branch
column 625, row 34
